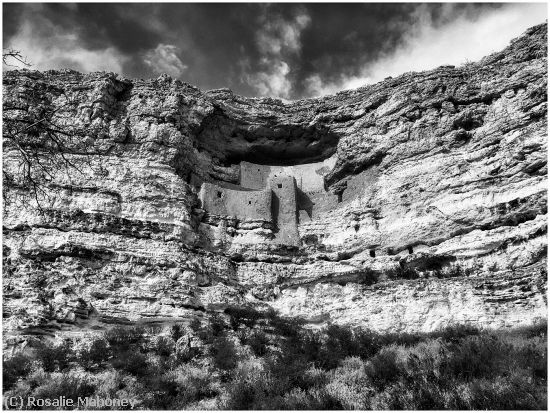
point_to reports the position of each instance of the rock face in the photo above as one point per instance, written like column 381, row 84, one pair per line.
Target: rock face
column 441, row 173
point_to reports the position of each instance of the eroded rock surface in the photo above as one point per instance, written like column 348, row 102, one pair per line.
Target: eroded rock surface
column 428, row 171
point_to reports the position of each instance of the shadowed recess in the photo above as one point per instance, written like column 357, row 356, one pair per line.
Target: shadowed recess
column 268, row 144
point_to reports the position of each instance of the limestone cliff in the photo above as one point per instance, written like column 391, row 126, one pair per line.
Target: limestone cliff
column 441, row 174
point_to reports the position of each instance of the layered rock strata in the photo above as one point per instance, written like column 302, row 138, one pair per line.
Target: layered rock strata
column 428, row 171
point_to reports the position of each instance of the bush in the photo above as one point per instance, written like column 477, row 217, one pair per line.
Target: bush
column 350, row 385
column 125, row 337
column 54, row 356
column 402, row 272
column 14, row 368
column 385, row 367
column 287, row 366
column 251, row 388
column 478, row 356
column 72, row 385
column 92, row 351
column 162, row 345
column 258, row 342
column 131, row 362
column 177, row 331
column 224, row 353
column 117, row 385
column 186, row 384
column 367, row 277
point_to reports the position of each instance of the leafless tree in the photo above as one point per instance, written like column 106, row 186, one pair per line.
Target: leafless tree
column 40, row 138
column 11, row 55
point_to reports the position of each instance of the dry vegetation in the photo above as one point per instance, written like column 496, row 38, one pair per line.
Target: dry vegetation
column 246, row 360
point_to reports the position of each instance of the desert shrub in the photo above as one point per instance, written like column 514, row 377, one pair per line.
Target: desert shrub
column 385, row 367
column 409, row 396
column 478, row 356
column 514, row 392
column 367, row 277
column 455, row 333
column 122, row 338
column 132, row 362
column 14, row 368
column 117, row 385
column 402, row 272
column 423, row 362
column 368, row 342
column 308, row 344
column 288, row 369
column 54, row 356
column 72, row 385
column 455, row 270
column 162, row 345
column 338, row 344
column 195, row 325
column 350, row 385
column 252, row 387
column 224, row 353
column 184, row 353
column 92, row 351
column 258, row 342
column 531, row 354
column 177, row 331
column 538, row 329
column 216, row 327
column 186, row 384
column 401, row 339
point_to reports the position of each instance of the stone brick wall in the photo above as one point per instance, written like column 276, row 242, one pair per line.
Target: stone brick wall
column 284, row 209
column 254, row 176
column 241, row 204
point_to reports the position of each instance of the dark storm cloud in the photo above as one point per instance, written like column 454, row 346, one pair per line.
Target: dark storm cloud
column 285, row 50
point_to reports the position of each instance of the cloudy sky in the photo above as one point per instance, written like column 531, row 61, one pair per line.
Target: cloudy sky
column 289, row 51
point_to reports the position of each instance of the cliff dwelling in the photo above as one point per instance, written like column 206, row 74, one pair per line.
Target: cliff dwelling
column 281, row 195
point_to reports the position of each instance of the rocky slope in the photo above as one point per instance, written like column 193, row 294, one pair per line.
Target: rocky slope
column 443, row 172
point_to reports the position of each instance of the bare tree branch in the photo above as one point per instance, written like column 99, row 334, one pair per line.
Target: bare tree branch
column 42, row 136
column 11, row 54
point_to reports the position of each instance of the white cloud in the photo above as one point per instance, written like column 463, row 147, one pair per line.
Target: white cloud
column 164, row 59
column 273, row 82
column 278, row 41
column 428, row 46
column 279, row 36
column 49, row 48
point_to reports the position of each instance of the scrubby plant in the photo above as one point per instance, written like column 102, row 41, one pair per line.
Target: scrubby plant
column 258, row 342
column 281, row 364
column 14, row 368
column 72, row 385
column 402, row 273
column 162, row 345
column 92, row 351
column 132, row 362
column 224, row 353
column 122, row 338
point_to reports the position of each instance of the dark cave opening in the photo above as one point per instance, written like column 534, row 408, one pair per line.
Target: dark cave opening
column 410, row 249
column 268, row 143
column 372, row 253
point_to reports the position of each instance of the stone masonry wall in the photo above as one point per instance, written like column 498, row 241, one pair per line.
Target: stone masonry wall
column 254, row 205
column 284, row 209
